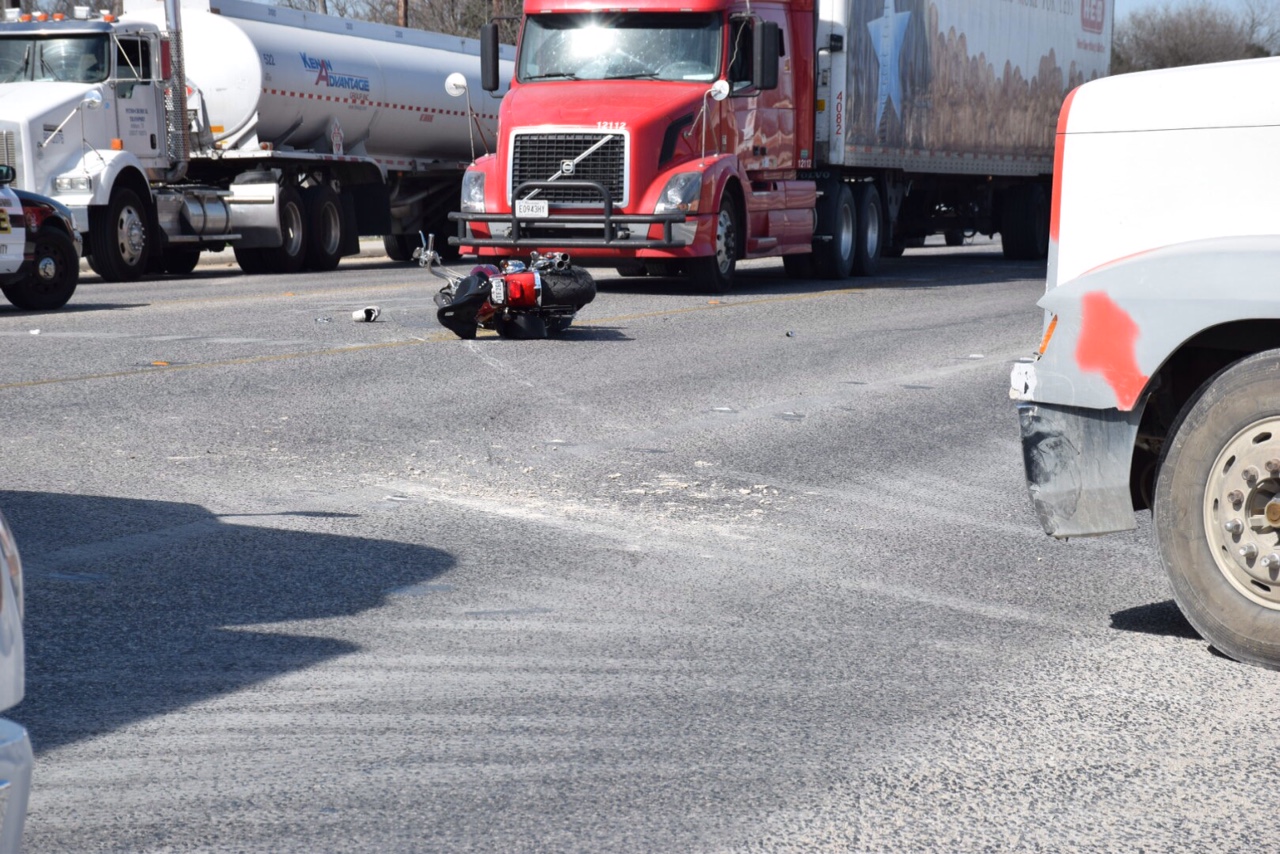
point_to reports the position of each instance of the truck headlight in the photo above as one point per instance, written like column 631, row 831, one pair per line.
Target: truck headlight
column 73, row 184
column 681, row 193
column 473, row 192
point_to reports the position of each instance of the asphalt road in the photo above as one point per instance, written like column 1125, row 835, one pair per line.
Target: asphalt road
column 755, row 572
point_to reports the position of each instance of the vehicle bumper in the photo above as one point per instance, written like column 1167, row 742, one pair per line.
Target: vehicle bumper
column 610, row 234
column 16, row 762
column 1077, row 467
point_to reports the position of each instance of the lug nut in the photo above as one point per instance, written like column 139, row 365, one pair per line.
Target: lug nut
column 1234, row 527
column 1248, row 551
column 1236, row 497
column 1250, row 475
column 1271, row 561
column 1272, row 465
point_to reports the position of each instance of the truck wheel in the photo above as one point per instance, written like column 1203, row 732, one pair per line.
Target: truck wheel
column 953, row 236
column 399, row 247
column 180, row 262
column 118, row 238
column 716, row 273
column 54, row 275
column 799, row 266
column 867, row 252
column 1217, row 510
column 837, row 217
column 1024, row 223
column 251, row 261
column 324, row 229
column 291, row 255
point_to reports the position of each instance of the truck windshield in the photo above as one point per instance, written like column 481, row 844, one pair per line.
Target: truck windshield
column 627, row 46
column 69, row 59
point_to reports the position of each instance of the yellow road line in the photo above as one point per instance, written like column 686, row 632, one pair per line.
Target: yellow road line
column 433, row 338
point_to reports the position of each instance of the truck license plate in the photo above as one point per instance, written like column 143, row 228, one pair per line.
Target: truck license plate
column 531, row 208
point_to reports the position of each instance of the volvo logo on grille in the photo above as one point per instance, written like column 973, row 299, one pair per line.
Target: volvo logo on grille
column 567, row 167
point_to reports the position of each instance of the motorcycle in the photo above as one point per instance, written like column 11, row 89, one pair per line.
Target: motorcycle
column 515, row 300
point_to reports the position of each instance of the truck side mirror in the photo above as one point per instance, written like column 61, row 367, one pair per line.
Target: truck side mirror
column 6, row 174
column 489, row 58
column 765, row 54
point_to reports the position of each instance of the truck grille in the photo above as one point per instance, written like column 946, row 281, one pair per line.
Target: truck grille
column 8, row 149
column 538, row 156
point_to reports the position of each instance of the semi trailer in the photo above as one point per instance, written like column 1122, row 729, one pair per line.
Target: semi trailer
column 684, row 136
column 201, row 124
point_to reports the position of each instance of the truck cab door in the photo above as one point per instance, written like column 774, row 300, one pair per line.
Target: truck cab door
column 139, row 103
column 764, row 119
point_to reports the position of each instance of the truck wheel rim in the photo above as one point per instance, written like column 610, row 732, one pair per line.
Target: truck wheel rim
column 291, row 225
column 1242, row 512
column 873, row 232
column 331, row 230
column 131, row 237
column 724, row 241
column 845, row 235
column 48, row 268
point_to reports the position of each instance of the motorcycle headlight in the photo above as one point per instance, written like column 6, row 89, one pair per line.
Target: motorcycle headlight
column 681, row 193
column 9, row 559
column 473, row 192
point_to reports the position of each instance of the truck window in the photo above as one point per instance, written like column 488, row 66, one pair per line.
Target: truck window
column 742, row 52
column 74, row 59
column 133, row 59
column 624, row 46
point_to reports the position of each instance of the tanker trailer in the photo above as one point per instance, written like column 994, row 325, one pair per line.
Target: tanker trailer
column 188, row 126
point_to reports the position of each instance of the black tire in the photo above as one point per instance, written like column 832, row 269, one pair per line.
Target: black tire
column 120, row 237
column 399, row 247
column 893, row 249
column 837, row 219
column 954, row 236
column 799, row 266
column 634, row 270
column 291, row 255
column 323, row 230
column 715, row 274
column 570, row 288
column 1232, row 425
column 1024, row 223
column 252, row 261
column 180, row 262
column 870, row 229
column 54, row 274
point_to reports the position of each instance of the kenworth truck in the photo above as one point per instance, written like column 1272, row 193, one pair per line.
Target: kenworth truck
column 193, row 125
column 664, row 136
column 1157, row 380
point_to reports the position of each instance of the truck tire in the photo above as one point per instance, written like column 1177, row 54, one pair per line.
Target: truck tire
column 399, row 247
column 954, row 236
column 180, row 262
column 715, row 274
column 291, row 255
column 870, row 227
column 1216, row 521
column 251, row 261
column 1024, row 223
column 54, row 275
column 837, row 217
column 119, row 237
column 799, row 266
column 324, row 228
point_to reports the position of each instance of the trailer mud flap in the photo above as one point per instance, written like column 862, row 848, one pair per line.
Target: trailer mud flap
column 1077, row 467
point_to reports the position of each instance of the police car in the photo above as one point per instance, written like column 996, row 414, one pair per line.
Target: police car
column 39, row 248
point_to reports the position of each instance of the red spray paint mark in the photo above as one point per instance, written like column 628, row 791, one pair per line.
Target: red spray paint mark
column 1108, row 346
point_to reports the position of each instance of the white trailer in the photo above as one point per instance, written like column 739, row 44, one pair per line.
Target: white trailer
column 194, row 125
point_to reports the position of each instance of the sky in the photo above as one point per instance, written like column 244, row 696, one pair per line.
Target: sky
column 1124, row 7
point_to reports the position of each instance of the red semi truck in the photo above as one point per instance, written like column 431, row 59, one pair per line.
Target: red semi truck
column 680, row 137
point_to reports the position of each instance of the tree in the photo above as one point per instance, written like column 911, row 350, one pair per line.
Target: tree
column 1195, row 33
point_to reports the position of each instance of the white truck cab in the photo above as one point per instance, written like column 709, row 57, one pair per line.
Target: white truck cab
column 1157, row 381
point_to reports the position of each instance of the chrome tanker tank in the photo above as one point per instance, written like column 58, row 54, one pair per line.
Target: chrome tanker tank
column 281, row 78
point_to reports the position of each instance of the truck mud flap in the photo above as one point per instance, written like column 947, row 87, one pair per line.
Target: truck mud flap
column 1077, row 466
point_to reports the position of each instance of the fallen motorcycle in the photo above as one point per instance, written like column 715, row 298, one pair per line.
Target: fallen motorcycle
column 515, row 300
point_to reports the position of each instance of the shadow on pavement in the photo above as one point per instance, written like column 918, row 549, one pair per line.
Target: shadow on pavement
column 146, row 621
column 1159, row 618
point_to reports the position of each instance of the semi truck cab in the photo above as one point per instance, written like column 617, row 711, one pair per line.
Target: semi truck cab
column 665, row 136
